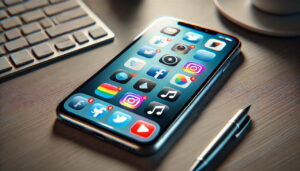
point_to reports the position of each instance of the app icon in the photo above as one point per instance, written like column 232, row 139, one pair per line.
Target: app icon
column 144, row 85
column 181, row 48
column 169, row 60
column 181, row 80
column 131, row 100
column 169, row 94
column 135, row 64
column 78, row 102
column 156, row 109
column 107, row 91
column 170, row 31
column 192, row 37
column 215, row 44
column 147, row 52
column 157, row 72
column 98, row 110
column 193, row 68
column 204, row 55
column 142, row 129
column 121, row 76
column 159, row 41
column 119, row 119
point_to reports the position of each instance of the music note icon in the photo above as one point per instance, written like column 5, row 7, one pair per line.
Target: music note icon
column 169, row 94
column 156, row 109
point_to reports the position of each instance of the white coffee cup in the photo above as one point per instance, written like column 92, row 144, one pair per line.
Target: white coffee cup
column 279, row 7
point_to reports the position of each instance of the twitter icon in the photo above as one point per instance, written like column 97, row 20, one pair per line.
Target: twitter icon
column 192, row 37
column 147, row 52
column 119, row 119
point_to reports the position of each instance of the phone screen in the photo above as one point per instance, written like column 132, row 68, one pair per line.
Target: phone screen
column 141, row 91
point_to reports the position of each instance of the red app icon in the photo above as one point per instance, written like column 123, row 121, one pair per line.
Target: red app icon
column 142, row 129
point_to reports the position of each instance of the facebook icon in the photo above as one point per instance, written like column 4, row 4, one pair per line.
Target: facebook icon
column 157, row 72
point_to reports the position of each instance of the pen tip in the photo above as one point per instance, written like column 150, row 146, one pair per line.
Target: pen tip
column 246, row 109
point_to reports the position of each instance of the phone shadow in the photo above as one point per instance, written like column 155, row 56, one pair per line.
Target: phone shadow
column 151, row 162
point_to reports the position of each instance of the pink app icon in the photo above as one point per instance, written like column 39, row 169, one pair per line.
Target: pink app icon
column 193, row 68
column 131, row 100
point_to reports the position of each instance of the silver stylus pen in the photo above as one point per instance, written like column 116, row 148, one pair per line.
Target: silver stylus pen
column 233, row 129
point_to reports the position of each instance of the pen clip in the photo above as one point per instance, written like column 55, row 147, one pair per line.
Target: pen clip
column 243, row 124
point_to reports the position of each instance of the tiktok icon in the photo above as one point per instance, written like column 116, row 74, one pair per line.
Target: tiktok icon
column 156, row 109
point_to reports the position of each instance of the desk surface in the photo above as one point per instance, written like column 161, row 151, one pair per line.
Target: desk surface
column 268, row 77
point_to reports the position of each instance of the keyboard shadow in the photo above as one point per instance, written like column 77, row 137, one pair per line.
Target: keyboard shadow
column 151, row 162
column 52, row 61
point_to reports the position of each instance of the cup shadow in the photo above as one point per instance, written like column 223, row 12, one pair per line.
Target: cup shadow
column 152, row 162
column 125, row 11
column 274, row 44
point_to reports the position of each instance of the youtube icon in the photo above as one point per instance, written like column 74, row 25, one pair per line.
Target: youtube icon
column 142, row 129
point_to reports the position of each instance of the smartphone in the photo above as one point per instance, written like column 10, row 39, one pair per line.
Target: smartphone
column 141, row 96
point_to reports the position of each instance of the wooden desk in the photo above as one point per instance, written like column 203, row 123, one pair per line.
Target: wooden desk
column 268, row 77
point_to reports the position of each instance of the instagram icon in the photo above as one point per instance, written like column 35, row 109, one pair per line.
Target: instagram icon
column 131, row 100
column 193, row 68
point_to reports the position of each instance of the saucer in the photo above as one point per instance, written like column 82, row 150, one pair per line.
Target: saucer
column 243, row 13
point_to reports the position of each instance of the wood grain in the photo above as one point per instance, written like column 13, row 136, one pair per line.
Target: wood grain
column 267, row 76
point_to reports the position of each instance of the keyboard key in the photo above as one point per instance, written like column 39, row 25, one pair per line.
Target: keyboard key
column 2, row 14
column 16, row 44
column 2, row 51
column 21, row 58
column 64, row 43
column 46, row 23
column 35, row 4
column 80, row 37
column 33, row 16
column 97, row 33
column 30, row 28
column 1, row 5
column 60, row 7
column 55, row 1
column 69, row 15
column 70, row 26
column 4, row 65
column 42, row 50
column 2, row 39
column 11, row 22
column 12, row 2
column 37, row 37
column 17, row 9
column 13, row 34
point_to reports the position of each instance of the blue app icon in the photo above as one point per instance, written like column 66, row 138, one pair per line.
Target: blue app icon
column 78, row 102
column 204, row 55
column 147, row 52
column 121, row 76
column 98, row 110
column 119, row 119
column 192, row 37
column 159, row 41
column 157, row 72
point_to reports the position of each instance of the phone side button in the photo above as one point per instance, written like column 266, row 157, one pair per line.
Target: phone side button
column 214, row 80
column 226, row 67
column 98, row 135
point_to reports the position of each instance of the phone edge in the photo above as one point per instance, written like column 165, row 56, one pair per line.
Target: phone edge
column 150, row 149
